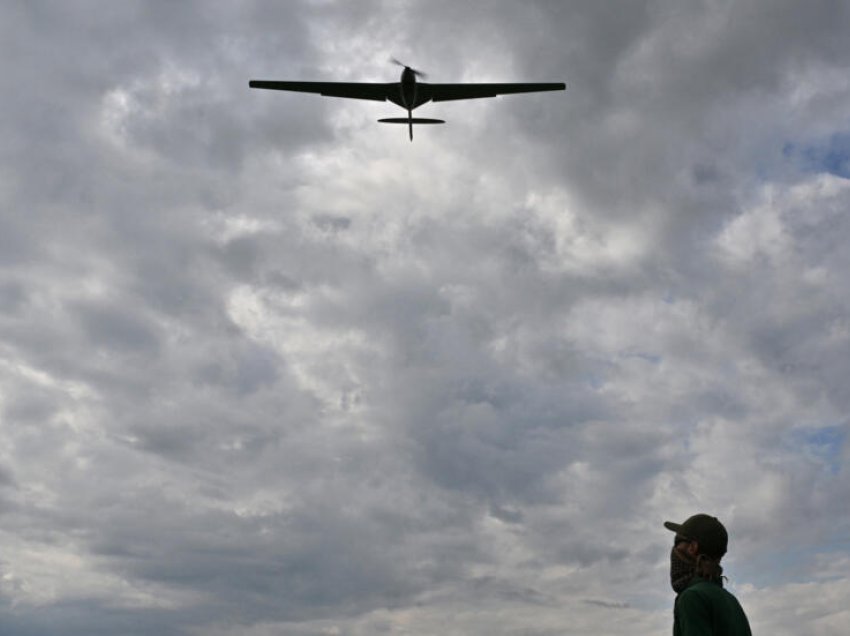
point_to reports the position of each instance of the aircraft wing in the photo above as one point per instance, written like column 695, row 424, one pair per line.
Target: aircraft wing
column 356, row 90
column 446, row 92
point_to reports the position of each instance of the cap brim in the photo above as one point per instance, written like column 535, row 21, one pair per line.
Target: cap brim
column 674, row 527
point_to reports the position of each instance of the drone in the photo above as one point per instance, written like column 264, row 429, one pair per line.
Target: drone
column 408, row 92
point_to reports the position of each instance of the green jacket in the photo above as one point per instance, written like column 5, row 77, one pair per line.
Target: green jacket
column 706, row 609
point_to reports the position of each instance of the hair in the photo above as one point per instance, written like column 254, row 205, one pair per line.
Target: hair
column 709, row 568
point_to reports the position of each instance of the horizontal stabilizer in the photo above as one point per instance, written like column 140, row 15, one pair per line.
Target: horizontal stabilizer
column 414, row 120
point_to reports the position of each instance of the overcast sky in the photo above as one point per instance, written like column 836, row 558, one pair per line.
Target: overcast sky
column 266, row 367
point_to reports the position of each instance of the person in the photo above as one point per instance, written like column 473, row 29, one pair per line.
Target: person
column 703, row 606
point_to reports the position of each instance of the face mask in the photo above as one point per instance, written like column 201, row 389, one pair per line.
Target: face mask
column 682, row 570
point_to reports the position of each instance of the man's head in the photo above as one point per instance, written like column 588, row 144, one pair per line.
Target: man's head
column 704, row 535
column 699, row 545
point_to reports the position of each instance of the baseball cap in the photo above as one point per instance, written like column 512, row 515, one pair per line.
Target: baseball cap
column 705, row 529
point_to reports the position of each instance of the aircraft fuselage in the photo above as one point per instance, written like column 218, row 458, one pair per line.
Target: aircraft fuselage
column 408, row 89
column 410, row 93
column 409, row 97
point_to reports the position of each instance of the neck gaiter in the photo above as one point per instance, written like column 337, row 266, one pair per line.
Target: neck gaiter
column 682, row 570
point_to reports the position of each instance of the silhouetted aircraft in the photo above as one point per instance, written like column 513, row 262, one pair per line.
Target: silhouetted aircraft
column 408, row 93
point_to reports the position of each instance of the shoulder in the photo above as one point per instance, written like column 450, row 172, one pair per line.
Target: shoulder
column 706, row 603
column 694, row 601
column 705, row 587
column 709, row 590
column 700, row 589
column 701, row 596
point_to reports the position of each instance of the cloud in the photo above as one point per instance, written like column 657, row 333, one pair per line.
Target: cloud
column 268, row 367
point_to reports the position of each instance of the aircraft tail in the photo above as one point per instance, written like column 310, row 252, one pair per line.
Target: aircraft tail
column 410, row 121
column 413, row 120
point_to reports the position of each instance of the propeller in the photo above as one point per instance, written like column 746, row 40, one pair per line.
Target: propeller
column 417, row 73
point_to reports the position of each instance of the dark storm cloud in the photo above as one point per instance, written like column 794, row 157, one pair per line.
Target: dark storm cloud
column 112, row 329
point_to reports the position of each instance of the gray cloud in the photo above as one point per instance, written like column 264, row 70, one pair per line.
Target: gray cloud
column 267, row 367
